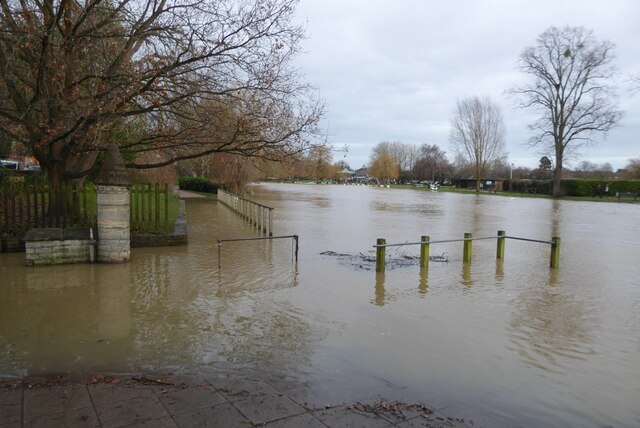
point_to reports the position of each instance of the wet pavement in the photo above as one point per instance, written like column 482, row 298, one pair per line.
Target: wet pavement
column 107, row 402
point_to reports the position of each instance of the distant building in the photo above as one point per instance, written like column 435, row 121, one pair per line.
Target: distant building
column 495, row 185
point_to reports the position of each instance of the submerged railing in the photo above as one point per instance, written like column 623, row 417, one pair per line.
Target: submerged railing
column 425, row 242
column 258, row 215
column 294, row 237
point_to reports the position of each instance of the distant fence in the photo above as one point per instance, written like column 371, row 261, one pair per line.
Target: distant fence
column 23, row 207
column 258, row 215
column 149, row 207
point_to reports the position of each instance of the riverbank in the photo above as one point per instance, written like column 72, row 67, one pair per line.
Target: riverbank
column 119, row 401
column 610, row 198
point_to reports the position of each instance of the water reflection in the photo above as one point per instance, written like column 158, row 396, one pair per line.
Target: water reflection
column 423, row 287
column 499, row 270
column 380, row 291
column 549, row 327
column 466, row 276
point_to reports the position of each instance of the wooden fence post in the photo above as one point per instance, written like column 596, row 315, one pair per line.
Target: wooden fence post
column 466, row 254
column 500, row 245
column 166, row 204
column 555, row 252
column 380, row 255
column 424, row 251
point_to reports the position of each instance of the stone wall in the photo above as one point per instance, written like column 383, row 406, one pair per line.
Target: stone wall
column 52, row 246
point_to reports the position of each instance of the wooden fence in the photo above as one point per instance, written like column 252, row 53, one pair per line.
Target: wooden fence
column 23, row 207
column 149, row 207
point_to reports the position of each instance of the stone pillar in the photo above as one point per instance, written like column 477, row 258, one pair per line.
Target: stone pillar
column 113, row 224
column 114, row 205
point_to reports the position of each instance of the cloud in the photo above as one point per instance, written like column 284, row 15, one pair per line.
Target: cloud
column 394, row 70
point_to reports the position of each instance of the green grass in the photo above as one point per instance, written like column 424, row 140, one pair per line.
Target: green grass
column 142, row 214
column 611, row 198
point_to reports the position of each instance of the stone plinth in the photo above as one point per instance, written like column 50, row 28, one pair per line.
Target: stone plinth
column 113, row 224
column 52, row 246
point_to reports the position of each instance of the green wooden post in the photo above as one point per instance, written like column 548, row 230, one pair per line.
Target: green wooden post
column 424, row 251
column 166, row 204
column 555, row 252
column 500, row 247
column 381, row 253
column 157, row 197
column 466, row 254
column 143, row 205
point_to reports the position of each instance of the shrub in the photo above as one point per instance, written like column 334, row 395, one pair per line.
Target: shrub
column 597, row 187
column 198, row 184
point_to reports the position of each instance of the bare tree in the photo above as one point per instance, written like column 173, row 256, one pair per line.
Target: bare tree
column 432, row 163
column 477, row 134
column 631, row 171
column 72, row 72
column 570, row 70
column 635, row 83
column 406, row 154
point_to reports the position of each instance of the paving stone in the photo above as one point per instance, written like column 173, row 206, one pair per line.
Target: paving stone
column 166, row 422
column 190, row 399
column 304, row 420
column 134, row 410
column 430, row 422
column 103, row 393
column 71, row 418
column 10, row 405
column 319, row 396
column 55, row 399
column 241, row 389
column 268, row 408
column 342, row 417
column 223, row 415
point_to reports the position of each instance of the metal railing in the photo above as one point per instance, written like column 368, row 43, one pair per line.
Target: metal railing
column 425, row 242
column 258, row 215
column 294, row 237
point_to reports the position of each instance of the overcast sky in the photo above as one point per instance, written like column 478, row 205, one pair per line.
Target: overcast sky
column 393, row 70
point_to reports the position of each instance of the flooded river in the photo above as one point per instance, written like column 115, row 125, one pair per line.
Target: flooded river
column 501, row 342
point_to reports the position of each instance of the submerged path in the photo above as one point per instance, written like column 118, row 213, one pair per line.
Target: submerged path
column 185, row 194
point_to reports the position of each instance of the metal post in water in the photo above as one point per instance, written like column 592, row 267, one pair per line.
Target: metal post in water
column 295, row 237
column 270, row 222
column 466, row 254
column 555, row 252
column 500, row 245
column 424, row 251
column 380, row 254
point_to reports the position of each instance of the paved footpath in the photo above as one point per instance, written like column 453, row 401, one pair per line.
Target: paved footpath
column 108, row 402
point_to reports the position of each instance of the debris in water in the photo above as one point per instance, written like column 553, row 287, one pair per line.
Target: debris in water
column 441, row 258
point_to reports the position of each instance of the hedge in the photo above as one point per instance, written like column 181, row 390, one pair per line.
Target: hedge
column 597, row 187
column 198, row 184
column 575, row 187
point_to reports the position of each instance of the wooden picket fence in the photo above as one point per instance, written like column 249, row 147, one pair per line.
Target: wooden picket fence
column 23, row 207
column 149, row 207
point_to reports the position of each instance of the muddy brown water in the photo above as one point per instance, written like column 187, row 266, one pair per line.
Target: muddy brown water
column 501, row 343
